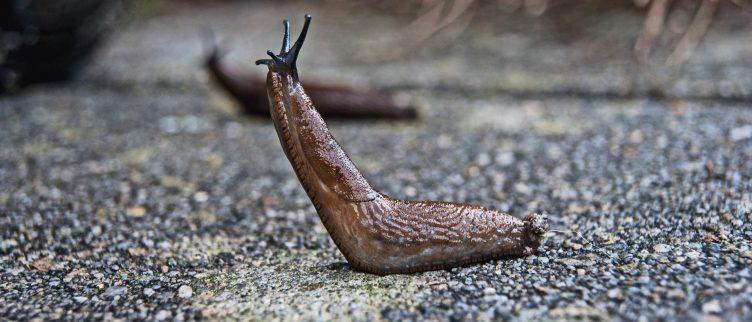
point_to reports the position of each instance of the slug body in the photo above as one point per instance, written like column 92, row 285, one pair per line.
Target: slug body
column 376, row 233
column 248, row 91
column 335, row 101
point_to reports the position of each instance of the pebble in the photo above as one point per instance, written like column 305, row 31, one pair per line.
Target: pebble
column 741, row 133
column 615, row 294
column 662, row 248
column 201, row 196
column 676, row 294
column 115, row 291
column 136, row 212
column 712, row 307
column 162, row 315
column 574, row 262
column 693, row 255
column 185, row 291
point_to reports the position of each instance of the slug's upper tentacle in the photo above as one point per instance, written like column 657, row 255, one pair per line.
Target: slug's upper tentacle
column 285, row 38
column 287, row 59
column 295, row 50
column 376, row 233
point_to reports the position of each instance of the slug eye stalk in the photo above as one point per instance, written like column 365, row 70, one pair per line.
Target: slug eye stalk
column 287, row 57
column 374, row 232
column 286, row 37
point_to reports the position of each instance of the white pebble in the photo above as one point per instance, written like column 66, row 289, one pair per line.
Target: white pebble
column 741, row 133
column 185, row 291
column 662, row 248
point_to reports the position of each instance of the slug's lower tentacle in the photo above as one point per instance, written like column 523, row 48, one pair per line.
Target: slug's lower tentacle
column 376, row 233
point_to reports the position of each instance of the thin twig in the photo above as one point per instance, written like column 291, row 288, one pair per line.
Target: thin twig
column 431, row 22
column 695, row 32
column 651, row 29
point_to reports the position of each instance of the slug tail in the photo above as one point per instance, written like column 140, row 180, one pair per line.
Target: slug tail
column 211, row 48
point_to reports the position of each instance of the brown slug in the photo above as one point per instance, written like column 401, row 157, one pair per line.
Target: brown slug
column 334, row 101
column 375, row 233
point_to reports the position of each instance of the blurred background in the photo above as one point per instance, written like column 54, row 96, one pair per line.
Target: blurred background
column 639, row 47
column 133, row 187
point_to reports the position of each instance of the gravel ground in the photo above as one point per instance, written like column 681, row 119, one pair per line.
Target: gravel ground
column 138, row 192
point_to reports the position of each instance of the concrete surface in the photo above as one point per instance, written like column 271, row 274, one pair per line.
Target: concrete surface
column 139, row 193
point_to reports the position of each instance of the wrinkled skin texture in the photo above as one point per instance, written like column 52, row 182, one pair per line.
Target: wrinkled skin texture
column 376, row 233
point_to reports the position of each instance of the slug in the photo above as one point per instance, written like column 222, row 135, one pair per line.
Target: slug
column 378, row 234
column 334, row 101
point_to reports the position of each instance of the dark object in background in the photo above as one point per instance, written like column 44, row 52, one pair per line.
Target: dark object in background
column 331, row 101
column 49, row 40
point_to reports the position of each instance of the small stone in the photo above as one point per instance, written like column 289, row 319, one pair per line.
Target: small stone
column 710, row 318
column 136, row 251
column 484, row 159
column 615, row 294
column 185, row 291
column 572, row 245
column 505, row 159
column 162, row 315
column 661, row 248
column 741, row 133
column 42, row 264
column 171, row 182
column 15, row 271
column 636, row 137
column 574, row 262
column 544, row 290
column 136, row 212
column 712, row 307
column 148, row 291
column 80, row 299
column 201, row 196
column 115, row 291
column 523, row 188
column 693, row 255
column 676, row 294
column 410, row 191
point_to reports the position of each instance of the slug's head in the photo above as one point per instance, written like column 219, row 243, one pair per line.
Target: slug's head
column 536, row 225
column 285, row 61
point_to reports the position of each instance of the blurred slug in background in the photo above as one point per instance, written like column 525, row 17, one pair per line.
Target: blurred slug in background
column 376, row 233
column 333, row 100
